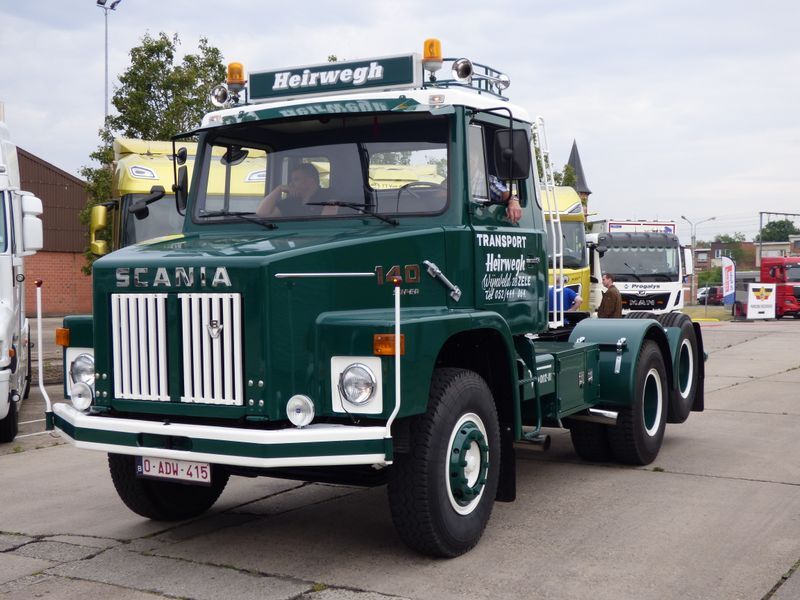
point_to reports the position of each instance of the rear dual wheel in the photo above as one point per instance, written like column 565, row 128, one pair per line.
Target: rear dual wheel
column 9, row 425
column 688, row 366
column 637, row 437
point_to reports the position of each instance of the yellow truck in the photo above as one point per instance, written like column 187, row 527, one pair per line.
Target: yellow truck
column 573, row 234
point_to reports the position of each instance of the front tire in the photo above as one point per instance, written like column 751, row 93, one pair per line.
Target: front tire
column 442, row 492
column 163, row 500
column 637, row 437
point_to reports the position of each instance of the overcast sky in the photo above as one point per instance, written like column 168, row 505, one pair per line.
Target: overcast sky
column 678, row 107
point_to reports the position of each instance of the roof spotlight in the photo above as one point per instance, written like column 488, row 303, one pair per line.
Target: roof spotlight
column 220, row 95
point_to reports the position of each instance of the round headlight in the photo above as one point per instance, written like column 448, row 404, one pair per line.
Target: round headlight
column 81, row 395
column 300, row 410
column 357, row 384
column 82, row 369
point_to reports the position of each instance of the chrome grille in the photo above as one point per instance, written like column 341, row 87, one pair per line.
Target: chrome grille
column 139, row 339
column 211, row 332
column 211, row 329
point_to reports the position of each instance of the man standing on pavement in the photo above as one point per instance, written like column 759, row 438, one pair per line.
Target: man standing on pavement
column 611, row 304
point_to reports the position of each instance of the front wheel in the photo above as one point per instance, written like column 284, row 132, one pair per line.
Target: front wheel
column 637, row 437
column 163, row 500
column 441, row 492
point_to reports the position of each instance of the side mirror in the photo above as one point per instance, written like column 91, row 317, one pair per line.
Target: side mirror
column 688, row 261
column 139, row 208
column 181, row 189
column 98, row 220
column 601, row 249
column 181, row 155
column 32, row 231
column 512, row 154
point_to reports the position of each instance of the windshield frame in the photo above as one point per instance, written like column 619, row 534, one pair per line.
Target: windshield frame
column 636, row 256
column 238, row 134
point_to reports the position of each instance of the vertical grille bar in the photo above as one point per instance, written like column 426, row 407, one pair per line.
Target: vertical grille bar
column 187, row 347
column 216, row 350
column 161, row 325
column 227, row 333
column 133, row 316
column 116, row 347
column 237, row 347
column 126, row 350
column 152, row 341
column 206, row 367
column 196, row 347
column 144, row 347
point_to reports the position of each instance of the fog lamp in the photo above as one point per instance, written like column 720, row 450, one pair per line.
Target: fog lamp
column 81, row 396
column 300, row 410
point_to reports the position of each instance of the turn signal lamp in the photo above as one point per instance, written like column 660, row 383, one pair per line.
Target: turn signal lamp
column 62, row 336
column 432, row 55
column 383, row 344
column 235, row 78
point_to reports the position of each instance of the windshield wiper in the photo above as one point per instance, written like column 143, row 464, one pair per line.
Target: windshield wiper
column 357, row 207
column 633, row 271
column 244, row 216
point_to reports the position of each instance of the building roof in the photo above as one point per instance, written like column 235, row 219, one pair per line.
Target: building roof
column 575, row 162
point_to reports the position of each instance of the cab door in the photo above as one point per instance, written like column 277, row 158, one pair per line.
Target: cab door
column 510, row 261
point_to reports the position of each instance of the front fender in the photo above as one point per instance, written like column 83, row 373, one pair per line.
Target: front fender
column 426, row 330
column 618, row 381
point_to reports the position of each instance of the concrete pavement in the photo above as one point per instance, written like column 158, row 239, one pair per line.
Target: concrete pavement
column 715, row 516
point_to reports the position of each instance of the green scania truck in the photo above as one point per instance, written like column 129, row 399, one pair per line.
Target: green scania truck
column 392, row 334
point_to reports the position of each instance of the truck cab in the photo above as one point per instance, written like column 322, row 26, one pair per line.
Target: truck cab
column 368, row 313
column 21, row 235
column 784, row 272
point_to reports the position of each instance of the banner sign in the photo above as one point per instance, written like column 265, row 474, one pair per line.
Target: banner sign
column 641, row 226
column 728, row 280
column 390, row 72
column 761, row 301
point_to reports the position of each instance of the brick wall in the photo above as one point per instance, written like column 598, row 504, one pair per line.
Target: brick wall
column 66, row 290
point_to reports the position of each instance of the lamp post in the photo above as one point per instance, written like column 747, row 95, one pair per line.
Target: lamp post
column 693, row 285
column 112, row 6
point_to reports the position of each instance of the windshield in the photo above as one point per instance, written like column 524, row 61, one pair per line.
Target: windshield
column 325, row 167
column 642, row 264
column 574, row 236
column 163, row 219
column 793, row 272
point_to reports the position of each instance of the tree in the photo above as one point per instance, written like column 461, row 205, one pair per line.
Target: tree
column 734, row 243
column 712, row 276
column 778, row 231
column 156, row 99
column 566, row 177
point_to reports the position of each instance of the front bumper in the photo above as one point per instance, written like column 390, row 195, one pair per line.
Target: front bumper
column 312, row 446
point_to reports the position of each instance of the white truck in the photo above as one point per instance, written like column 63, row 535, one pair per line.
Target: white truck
column 20, row 235
column 647, row 261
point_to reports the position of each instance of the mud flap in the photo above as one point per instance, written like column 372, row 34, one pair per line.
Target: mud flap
column 699, row 398
column 507, row 483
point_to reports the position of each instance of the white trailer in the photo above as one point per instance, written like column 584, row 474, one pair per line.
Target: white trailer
column 631, row 226
column 20, row 235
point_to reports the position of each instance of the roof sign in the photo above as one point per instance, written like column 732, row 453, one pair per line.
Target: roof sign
column 391, row 72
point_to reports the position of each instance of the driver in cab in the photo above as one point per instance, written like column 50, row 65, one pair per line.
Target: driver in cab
column 299, row 197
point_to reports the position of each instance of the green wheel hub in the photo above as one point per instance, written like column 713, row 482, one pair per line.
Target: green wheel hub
column 468, row 463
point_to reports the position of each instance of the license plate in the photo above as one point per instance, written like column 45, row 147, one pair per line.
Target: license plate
column 174, row 470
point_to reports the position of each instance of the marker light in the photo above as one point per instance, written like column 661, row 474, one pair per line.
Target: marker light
column 235, row 78
column 62, row 336
column 432, row 55
column 383, row 344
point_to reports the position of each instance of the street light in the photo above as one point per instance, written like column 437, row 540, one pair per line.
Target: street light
column 693, row 284
column 112, row 6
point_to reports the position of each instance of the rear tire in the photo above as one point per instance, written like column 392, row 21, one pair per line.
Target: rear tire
column 640, row 315
column 9, row 425
column 682, row 400
column 442, row 492
column 163, row 500
column 637, row 437
column 590, row 441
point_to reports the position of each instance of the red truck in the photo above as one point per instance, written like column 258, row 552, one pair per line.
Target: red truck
column 784, row 272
